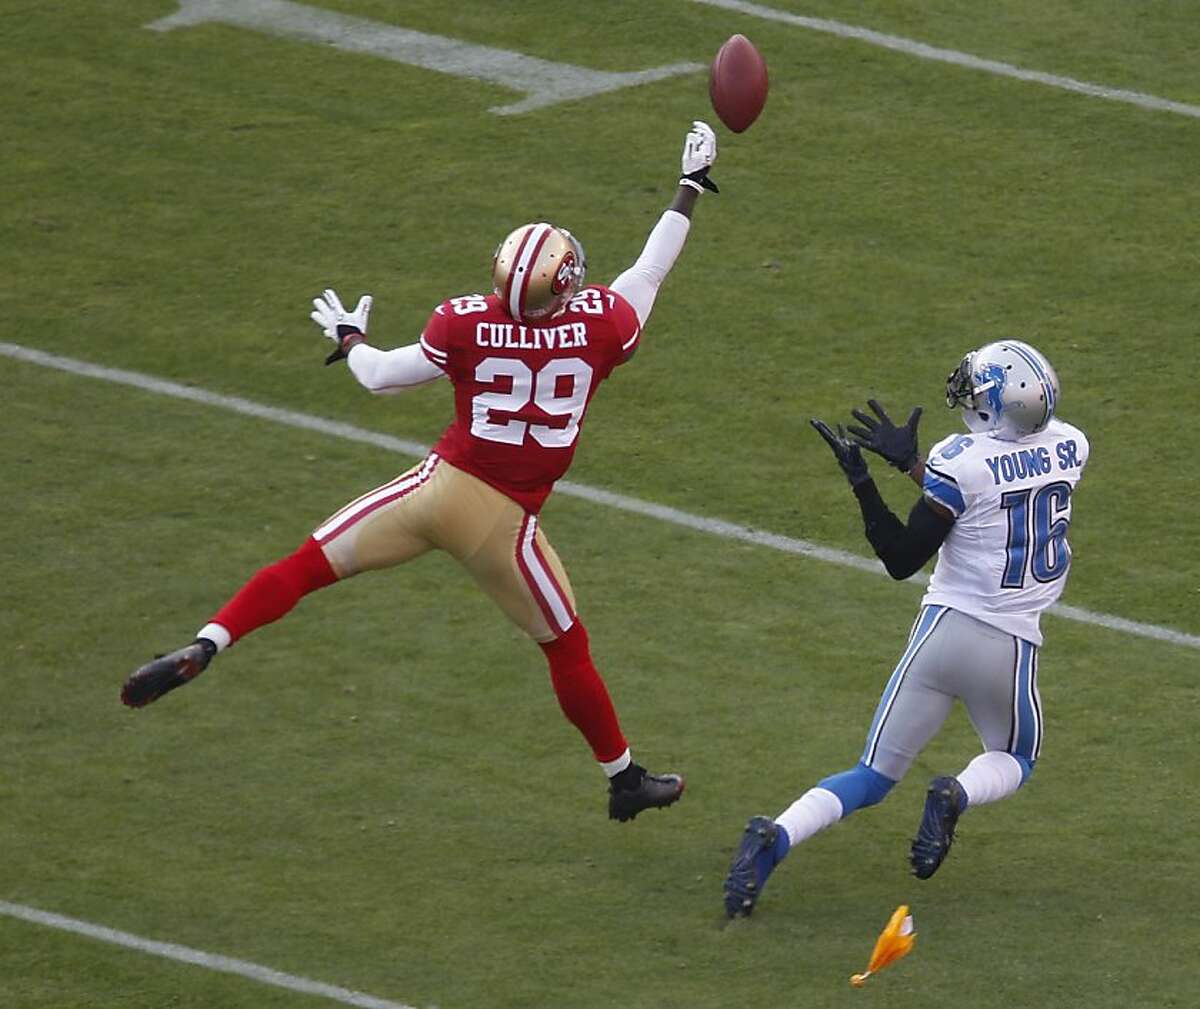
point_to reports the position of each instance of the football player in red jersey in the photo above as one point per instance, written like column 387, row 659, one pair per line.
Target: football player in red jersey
column 524, row 362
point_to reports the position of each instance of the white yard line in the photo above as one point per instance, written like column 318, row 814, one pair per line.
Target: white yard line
column 197, row 957
column 596, row 495
column 542, row 82
column 927, row 52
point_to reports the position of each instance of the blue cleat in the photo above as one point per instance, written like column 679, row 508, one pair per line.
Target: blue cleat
column 763, row 846
column 944, row 802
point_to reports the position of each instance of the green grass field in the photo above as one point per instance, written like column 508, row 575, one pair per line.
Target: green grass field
column 379, row 793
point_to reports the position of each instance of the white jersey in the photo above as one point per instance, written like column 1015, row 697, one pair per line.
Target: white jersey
column 1006, row 558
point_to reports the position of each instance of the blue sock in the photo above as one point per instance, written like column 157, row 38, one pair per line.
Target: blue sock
column 858, row 787
column 770, row 857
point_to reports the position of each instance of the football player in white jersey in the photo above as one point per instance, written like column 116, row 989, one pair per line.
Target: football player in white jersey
column 995, row 508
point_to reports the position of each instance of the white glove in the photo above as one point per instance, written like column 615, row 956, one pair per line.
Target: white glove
column 699, row 153
column 346, row 329
column 329, row 313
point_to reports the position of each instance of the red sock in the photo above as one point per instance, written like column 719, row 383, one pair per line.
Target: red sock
column 275, row 590
column 582, row 694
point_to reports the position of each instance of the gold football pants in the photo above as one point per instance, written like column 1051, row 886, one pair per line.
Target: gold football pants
column 435, row 506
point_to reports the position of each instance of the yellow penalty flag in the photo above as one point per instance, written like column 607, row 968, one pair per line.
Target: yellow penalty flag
column 894, row 942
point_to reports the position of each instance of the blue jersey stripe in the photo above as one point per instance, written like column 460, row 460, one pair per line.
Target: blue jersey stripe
column 944, row 493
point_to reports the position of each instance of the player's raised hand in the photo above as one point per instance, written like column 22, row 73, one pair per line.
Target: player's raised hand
column 699, row 153
column 846, row 452
column 342, row 327
column 898, row 445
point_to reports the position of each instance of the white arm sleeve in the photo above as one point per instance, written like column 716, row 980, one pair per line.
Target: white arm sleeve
column 391, row 371
column 639, row 284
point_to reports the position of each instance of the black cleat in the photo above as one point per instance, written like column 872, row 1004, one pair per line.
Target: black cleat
column 652, row 791
column 944, row 801
column 752, row 863
column 165, row 673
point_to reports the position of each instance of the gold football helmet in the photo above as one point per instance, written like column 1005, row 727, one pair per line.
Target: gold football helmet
column 537, row 270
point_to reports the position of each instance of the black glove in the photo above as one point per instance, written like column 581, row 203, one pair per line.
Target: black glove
column 898, row 445
column 845, row 451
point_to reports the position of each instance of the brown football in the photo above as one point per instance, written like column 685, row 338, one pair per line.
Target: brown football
column 737, row 83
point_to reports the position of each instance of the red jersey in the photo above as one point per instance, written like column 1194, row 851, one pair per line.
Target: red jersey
column 521, row 390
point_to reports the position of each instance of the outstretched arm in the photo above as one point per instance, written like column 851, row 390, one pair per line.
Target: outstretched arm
column 640, row 283
column 390, row 371
column 685, row 201
column 380, row 371
column 904, row 548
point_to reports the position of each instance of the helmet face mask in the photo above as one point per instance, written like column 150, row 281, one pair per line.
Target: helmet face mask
column 536, row 270
column 1007, row 389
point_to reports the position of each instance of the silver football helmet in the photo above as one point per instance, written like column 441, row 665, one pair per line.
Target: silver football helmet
column 1005, row 388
